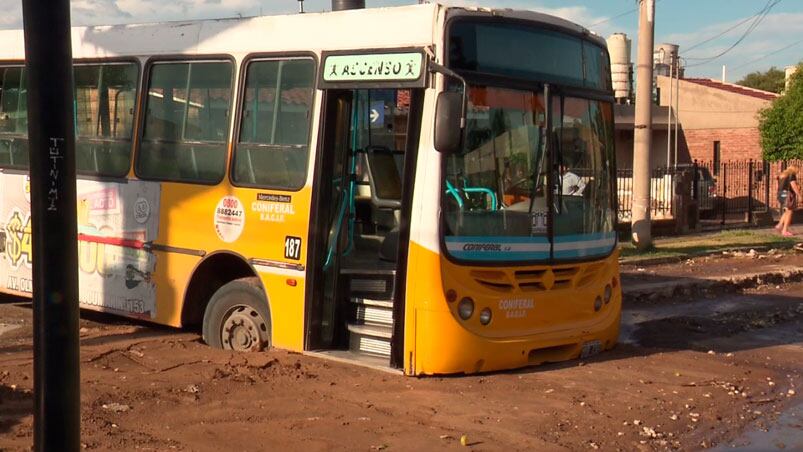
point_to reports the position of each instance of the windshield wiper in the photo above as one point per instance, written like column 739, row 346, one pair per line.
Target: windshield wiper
column 544, row 140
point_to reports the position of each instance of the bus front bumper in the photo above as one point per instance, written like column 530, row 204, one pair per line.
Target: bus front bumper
column 443, row 346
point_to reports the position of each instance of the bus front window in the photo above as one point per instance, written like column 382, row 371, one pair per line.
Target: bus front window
column 530, row 186
column 496, row 199
column 583, row 153
column 496, row 189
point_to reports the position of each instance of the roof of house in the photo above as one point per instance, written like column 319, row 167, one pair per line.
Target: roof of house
column 730, row 87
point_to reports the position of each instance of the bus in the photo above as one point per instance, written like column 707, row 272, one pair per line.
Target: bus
column 423, row 189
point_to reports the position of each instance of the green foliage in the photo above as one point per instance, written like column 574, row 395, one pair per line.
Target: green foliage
column 781, row 124
column 772, row 80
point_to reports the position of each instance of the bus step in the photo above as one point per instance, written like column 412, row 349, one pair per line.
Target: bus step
column 376, row 286
column 370, row 339
column 377, row 312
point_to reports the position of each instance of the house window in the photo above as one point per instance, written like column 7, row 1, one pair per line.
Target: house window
column 717, row 158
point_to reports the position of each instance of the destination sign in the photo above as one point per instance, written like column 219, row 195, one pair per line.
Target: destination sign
column 373, row 67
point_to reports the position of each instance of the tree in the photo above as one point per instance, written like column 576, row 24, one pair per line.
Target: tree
column 781, row 124
column 772, row 80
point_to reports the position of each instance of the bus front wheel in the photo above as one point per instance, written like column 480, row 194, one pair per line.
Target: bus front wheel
column 237, row 317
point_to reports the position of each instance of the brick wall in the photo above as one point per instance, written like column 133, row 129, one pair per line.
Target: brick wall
column 735, row 144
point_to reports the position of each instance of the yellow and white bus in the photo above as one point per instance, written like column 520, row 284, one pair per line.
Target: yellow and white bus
column 422, row 188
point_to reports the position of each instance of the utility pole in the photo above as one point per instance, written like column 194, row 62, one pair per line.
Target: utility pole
column 642, row 134
column 51, row 138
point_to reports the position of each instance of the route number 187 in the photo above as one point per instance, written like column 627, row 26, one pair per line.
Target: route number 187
column 292, row 248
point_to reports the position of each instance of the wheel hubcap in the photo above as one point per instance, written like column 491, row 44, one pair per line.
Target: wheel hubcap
column 241, row 330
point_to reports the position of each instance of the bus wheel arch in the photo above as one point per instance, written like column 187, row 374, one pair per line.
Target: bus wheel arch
column 237, row 317
column 213, row 272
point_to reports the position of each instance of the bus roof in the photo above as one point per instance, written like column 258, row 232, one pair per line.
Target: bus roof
column 374, row 28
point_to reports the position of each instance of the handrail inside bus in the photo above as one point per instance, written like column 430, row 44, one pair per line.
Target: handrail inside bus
column 455, row 192
column 488, row 191
column 347, row 203
column 352, row 179
column 333, row 239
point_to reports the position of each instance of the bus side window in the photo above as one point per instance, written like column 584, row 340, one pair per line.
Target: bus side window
column 13, row 118
column 186, row 122
column 102, row 129
column 273, row 145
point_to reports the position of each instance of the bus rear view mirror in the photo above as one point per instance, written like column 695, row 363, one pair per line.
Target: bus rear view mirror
column 448, row 122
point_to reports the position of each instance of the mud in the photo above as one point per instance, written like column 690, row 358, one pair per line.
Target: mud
column 692, row 373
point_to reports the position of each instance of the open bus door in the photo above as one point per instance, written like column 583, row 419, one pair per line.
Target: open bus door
column 361, row 218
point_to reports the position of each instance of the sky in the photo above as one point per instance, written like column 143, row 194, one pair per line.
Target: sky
column 683, row 22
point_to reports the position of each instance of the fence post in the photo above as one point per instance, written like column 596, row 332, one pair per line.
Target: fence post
column 750, row 191
column 724, row 172
column 695, row 185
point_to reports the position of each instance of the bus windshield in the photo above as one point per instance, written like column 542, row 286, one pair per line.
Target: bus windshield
column 529, row 184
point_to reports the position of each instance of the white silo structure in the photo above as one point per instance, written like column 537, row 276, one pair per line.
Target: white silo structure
column 621, row 67
column 789, row 71
column 663, row 56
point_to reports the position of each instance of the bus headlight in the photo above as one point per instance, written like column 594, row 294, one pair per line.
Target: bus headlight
column 597, row 304
column 485, row 316
column 607, row 296
column 466, row 308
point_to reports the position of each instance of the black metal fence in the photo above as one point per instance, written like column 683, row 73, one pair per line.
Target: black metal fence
column 726, row 192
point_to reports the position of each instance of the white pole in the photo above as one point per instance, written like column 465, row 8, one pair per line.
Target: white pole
column 642, row 135
column 677, row 106
column 723, row 73
column 669, row 118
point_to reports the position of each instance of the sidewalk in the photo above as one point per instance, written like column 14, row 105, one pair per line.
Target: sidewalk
column 710, row 274
column 681, row 248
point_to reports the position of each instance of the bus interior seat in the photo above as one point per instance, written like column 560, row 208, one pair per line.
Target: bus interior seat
column 9, row 151
column 194, row 173
column 85, row 157
column 295, row 161
column 384, row 184
column 117, row 158
column 5, row 151
column 386, row 193
column 385, row 178
column 389, row 249
column 245, row 172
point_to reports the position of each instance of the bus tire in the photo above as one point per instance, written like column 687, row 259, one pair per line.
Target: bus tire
column 237, row 317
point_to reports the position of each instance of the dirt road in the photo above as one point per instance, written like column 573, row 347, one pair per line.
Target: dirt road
column 689, row 373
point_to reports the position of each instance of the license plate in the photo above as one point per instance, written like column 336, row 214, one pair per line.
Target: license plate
column 591, row 348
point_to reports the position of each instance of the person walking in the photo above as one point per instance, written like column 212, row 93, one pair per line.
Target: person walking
column 788, row 195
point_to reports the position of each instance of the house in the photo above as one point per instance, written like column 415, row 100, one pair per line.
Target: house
column 718, row 121
column 624, row 117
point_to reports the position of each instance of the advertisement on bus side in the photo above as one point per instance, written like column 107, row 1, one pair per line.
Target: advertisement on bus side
column 115, row 221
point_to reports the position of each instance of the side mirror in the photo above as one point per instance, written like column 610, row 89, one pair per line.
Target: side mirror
column 448, row 122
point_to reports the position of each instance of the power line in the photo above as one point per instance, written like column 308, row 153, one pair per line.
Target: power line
column 768, row 55
column 612, row 18
column 717, row 35
column 758, row 17
column 625, row 13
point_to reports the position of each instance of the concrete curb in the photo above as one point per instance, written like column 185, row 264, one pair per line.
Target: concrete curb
column 660, row 291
